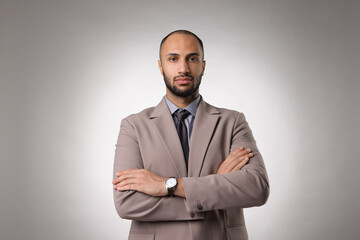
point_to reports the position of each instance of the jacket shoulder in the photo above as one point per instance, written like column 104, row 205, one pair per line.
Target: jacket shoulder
column 144, row 114
column 224, row 112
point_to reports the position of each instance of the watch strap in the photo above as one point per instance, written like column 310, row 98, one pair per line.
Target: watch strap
column 171, row 190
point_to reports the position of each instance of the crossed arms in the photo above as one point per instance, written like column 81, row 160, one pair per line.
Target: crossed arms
column 147, row 182
column 140, row 194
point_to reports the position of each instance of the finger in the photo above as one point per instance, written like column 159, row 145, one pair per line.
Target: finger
column 119, row 179
column 136, row 184
column 122, row 172
column 233, row 155
column 230, row 166
column 239, row 152
column 115, row 180
column 237, row 156
column 130, row 172
column 239, row 149
column 128, row 184
column 127, row 171
column 134, row 177
column 236, row 159
column 125, row 188
column 235, row 162
column 245, row 151
column 126, row 175
column 226, row 167
column 240, row 165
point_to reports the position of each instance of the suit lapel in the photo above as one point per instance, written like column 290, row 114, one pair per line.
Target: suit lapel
column 165, row 126
column 205, row 123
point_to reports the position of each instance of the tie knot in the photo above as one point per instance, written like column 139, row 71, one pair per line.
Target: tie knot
column 181, row 115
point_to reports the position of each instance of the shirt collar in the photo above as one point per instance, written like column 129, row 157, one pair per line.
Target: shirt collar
column 191, row 108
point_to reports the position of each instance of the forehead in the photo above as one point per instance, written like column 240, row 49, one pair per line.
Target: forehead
column 181, row 44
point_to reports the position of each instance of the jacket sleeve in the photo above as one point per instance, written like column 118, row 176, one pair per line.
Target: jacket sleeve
column 136, row 205
column 247, row 187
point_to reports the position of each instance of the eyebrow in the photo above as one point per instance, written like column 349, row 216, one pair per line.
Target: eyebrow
column 176, row 54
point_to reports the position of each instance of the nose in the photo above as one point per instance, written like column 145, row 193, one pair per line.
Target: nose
column 183, row 67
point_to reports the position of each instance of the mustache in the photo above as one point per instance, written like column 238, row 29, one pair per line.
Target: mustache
column 183, row 75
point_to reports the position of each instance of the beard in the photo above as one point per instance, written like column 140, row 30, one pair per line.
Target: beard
column 182, row 93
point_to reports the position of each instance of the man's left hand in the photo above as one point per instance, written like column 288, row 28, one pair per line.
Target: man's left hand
column 140, row 180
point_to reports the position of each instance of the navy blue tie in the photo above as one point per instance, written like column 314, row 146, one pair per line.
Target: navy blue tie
column 182, row 131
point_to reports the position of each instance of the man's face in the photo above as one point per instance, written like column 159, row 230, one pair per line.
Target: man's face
column 181, row 63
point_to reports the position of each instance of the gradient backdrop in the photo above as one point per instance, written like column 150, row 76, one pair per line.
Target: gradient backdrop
column 70, row 70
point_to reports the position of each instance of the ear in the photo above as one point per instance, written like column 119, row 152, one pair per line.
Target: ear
column 160, row 67
column 203, row 66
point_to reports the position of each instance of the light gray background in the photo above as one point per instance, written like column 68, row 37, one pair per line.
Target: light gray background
column 71, row 70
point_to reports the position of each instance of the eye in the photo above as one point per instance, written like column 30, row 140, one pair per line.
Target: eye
column 172, row 59
column 193, row 59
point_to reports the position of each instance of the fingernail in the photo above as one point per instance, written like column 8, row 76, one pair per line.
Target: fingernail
column 118, row 188
column 242, row 148
column 251, row 154
column 249, row 150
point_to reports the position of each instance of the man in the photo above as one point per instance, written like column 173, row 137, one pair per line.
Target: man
column 185, row 169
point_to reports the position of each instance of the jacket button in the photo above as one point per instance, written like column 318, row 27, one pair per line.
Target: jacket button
column 200, row 207
column 192, row 215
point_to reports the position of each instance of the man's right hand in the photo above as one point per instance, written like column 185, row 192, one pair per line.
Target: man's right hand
column 235, row 161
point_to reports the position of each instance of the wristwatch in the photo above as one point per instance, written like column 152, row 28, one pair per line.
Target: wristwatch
column 171, row 184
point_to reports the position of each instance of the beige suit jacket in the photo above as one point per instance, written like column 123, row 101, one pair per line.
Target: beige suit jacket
column 213, row 205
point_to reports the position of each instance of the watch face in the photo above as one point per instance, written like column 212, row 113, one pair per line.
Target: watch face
column 171, row 182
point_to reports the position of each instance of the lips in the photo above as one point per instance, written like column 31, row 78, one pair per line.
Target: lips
column 183, row 80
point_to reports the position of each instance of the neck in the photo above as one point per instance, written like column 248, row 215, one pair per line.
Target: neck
column 181, row 102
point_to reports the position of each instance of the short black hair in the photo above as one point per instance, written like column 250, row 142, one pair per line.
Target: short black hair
column 181, row 31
